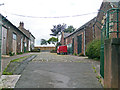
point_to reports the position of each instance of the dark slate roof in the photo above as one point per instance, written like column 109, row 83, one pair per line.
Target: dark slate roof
column 114, row 2
column 66, row 34
column 27, row 32
column 13, row 25
column 82, row 27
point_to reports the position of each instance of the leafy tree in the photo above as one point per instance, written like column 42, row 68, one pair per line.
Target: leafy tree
column 53, row 40
column 69, row 29
column 43, row 42
column 57, row 29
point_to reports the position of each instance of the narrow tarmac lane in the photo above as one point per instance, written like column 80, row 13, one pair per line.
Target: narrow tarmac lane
column 58, row 71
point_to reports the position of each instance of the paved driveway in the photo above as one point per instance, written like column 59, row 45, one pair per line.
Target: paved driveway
column 58, row 71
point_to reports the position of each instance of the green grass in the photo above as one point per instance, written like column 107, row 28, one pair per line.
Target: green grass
column 7, row 73
column 15, row 60
column 75, row 54
column 20, row 59
column 94, row 69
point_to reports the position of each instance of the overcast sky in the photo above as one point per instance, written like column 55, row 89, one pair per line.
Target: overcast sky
column 40, row 27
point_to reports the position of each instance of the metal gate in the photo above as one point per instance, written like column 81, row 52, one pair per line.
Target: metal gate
column 110, row 25
column 69, row 48
column 79, row 41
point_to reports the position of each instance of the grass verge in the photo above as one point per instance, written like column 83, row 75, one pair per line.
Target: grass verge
column 18, row 60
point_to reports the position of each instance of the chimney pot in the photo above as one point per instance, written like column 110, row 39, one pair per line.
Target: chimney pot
column 22, row 24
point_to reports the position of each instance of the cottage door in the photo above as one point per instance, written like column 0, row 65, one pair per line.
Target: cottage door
column 14, row 43
column 72, row 45
column 22, row 44
column 4, row 40
column 79, row 41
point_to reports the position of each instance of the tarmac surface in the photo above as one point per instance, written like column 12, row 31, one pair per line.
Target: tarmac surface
column 59, row 71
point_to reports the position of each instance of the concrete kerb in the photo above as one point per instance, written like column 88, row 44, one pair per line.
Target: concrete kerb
column 6, row 60
column 9, row 81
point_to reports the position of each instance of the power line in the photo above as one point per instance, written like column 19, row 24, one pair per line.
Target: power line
column 1, row 4
column 53, row 17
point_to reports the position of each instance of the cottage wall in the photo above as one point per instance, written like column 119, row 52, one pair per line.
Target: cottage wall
column 17, row 45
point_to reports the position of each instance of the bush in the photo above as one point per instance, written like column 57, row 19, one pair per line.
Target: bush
column 81, row 54
column 93, row 49
column 11, row 53
column 53, row 51
column 19, row 53
column 27, row 51
column 75, row 54
column 36, row 50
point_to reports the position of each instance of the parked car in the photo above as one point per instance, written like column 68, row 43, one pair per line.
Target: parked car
column 62, row 50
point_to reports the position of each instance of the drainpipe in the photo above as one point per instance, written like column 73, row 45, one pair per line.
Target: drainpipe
column 84, row 41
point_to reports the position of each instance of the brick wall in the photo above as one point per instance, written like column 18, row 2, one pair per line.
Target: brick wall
column 10, row 30
column 87, row 30
column 100, row 17
column 45, row 48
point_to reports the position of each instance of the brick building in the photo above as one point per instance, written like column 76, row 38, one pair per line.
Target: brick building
column 13, row 39
column 77, row 40
column 31, row 41
column 63, row 36
column 102, row 17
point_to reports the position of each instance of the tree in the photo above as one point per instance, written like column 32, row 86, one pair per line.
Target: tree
column 69, row 29
column 53, row 40
column 43, row 42
column 57, row 29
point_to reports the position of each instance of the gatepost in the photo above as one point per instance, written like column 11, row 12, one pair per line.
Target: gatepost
column 112, row 63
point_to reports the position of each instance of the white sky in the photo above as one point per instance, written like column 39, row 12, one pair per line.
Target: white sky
column 40, row 27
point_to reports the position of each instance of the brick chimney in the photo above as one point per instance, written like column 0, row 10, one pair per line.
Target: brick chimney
column 21, row 25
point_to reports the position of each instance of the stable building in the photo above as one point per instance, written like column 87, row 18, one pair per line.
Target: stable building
column 77, row 40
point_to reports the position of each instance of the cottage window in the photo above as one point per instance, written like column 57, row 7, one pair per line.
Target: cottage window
column 14, row 36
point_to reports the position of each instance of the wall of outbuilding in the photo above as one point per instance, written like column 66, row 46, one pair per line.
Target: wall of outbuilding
column 10, row 30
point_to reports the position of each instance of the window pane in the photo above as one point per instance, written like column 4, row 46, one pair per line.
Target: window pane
column 14, row 36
